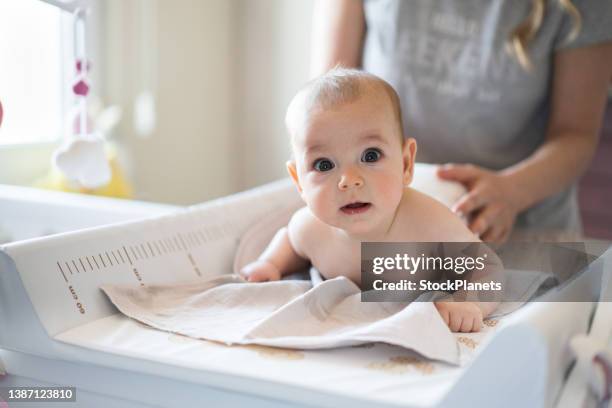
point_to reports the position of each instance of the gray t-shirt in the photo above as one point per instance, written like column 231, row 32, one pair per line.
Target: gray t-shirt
column 464, row 97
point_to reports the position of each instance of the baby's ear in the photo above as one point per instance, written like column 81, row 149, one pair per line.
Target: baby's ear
column 409, row 149
column 292, row 169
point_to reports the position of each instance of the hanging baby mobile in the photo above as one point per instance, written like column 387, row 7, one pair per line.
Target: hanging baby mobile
column 81, row 158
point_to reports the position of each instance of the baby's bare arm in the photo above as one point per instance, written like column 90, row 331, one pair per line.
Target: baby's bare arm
column 465, row 311
column 278, row 259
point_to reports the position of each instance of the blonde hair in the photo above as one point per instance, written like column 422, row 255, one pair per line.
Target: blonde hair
column 522, row 35
column 337, row 87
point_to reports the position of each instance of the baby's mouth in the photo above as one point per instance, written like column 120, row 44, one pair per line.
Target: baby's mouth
column 355, row 208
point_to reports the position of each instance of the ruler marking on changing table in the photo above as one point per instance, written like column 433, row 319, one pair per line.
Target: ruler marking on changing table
column 120, row 256
column 127, row 255
column 109, row 260
column 101, row 259
column 202, row 236
column 134, row 253
column 205, row 235
column 188, row 239
column 157, row 248
column 144, row 251
column 150, row 249
column 194, row 265
column 183, row 242
column 209, row 233
column 163, row 246
column 62, row 272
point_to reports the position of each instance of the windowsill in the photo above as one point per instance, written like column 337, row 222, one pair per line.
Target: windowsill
column 23, row 164
column 19, row 146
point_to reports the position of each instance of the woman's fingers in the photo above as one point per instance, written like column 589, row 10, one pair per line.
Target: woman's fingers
column 470, row 202
column 504, row 235
column 486, row 203
column 485, row 219
column 463, row 173
column 496, row 235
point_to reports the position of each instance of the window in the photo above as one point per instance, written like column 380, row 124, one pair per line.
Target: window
column 36, row 68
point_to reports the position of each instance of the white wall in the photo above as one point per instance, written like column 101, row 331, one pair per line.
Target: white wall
column 274, row 44
column 186, row 159
column 226, row 70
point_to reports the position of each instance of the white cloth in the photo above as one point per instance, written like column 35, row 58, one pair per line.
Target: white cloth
column 288, row 313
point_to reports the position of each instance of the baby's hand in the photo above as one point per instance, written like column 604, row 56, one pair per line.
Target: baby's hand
column 461, row 316
column 260, row 271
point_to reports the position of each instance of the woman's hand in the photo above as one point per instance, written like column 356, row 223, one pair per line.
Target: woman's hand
column 489, row 205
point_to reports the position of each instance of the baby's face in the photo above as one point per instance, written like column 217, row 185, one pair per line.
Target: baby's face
column 350, row 164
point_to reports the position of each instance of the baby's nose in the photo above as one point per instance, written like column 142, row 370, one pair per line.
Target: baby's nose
column 349, row 180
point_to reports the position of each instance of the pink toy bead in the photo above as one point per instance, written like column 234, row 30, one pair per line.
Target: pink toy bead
column 0, row 113
column 79, row 65
column 80, row 88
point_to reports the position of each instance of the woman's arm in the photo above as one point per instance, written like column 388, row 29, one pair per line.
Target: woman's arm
column 337, row 35
column 580, row 81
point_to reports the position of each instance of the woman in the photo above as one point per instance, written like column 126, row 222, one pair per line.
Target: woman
column 513, row 91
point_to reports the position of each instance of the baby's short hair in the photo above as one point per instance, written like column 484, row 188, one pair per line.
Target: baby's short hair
column 338, row 87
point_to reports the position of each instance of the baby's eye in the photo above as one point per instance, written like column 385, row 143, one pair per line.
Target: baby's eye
column 323, row 165
column 371, row 155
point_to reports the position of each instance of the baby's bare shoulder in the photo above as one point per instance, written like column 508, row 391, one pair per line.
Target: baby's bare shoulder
column 431, row 220
column 303, row 228
column 302, row 220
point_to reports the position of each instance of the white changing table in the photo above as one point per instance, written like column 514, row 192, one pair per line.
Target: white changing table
column 521, row 364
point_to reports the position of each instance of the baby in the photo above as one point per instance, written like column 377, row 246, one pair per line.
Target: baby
column 352, row 166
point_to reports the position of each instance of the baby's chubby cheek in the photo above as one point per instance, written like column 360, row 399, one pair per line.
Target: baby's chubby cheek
column 321, row 202
column 388, row 191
